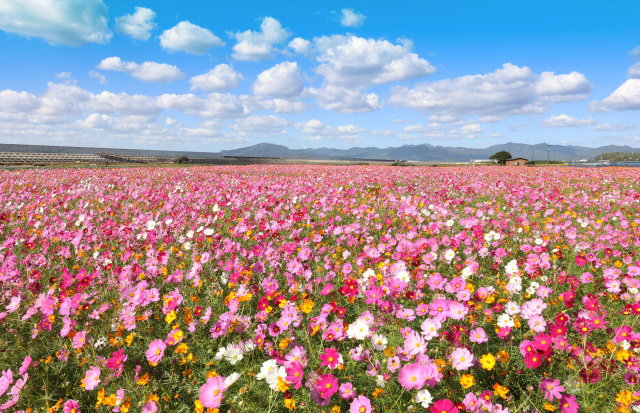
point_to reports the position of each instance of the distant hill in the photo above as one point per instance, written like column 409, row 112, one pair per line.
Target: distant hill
column 426, row 152
column 618, row 156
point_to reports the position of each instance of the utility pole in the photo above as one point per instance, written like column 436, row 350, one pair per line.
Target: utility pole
column 548, row 151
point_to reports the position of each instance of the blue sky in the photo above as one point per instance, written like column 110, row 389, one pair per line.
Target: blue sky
column 205, row 75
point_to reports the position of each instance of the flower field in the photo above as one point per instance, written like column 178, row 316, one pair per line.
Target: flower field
column 320, row 289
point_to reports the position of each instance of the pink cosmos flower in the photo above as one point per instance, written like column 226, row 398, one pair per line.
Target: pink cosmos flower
column 568, row 404
column 150, row 407
column 461, row 359
column 71, row 406
column 331, row 358
column 91, row 378
column 327, row 385
column 551, row 389
column 155, row 352
column 361, row 404
column 414, row 344
column 5, row 381
column 13, row 304
column 478, row 335
column 412, row 376
column 211, row 393
column 25, row 366
column 79, row 339
column 346, row 391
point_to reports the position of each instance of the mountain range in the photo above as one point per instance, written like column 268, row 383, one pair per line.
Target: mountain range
column 426, row 152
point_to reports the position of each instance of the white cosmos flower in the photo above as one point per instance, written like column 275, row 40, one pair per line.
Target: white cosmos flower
column 232, row 378
column 359, row 330
column 190, row 234
column 267, row 366
column 208, row 231
column 151, row 224
column 424, row 398
column 379, row 342
column 449, row 254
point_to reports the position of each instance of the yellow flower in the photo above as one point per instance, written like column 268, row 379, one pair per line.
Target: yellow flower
column 100, row 397
column 377, row 392
column 467, row 380
column 625, row 397
column 501, row 391
column 283, row 386
column 503, row 356
column 488, row 361
column 170, row 317
column 144, row 379
column 129, row 339
column 182, row 348
column 307, row 306
column 335, row 409
column 290, row 403
column 550, row 407
column 622, row 355
column 199, row 407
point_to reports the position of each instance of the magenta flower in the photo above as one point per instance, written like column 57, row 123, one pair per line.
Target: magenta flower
column 412, row 376
column 71, row 406
column 116, row 360
column 79, row 339
column 331, row 358
column 361, row 404
column 461, row 359
column 444, row 406
column 155, row 352
column 568, row 404
column 295, row 373
column 551, row 389
column 211, row 393
column 327, row 385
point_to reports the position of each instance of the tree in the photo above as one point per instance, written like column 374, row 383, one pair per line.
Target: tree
column 501, row 157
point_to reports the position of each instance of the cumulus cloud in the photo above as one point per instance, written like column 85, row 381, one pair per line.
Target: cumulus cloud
column 472, row 129
column 277, row 105
column 317, row 127
column 355, row 61
column 138, row 25
column 222, row 77
column 215, row 105
column 344, row 100
column 281, row 81
column 301, row 46
column 254, row 46
column 495, row 135
column 262, row 124
column 351, row 18
column 97, row 75
column 634, row 71
column 563, row 88
column 190, row 38
column 626, row 97
column 510, row 90
column 67, row 22
column 611, row 127
column 147, row 71
column 565, row 121
column 122, row 104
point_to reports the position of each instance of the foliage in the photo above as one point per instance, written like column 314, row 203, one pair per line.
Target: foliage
column 501, row 157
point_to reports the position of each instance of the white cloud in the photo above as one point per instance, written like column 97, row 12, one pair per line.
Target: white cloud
column 626, row 97
column 492, row 118
column 384, row 132
column 17, row 102
column 97, row 75
column 68, row 22
column 254, row 46
column 261, row 124
column 222, row 77
column 351, row 18
column 471, row 129
column 355, row 61
column 345, row 100
column 615, row 126
column 137, row 25
column 281, row 81
column 147, row 71
column 510, row 90
column 301, row 46
column 634, row 71
column 564, row 121
column 316, row 127
column 122, row 103
column 495, row 135
column 190, row 38
column 216, row 105
column 563, row 88
column 170, row 121
column 276, row 105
